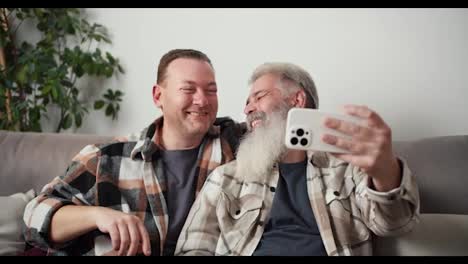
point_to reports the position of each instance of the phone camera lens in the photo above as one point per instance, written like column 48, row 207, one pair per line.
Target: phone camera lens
column 294, row 140
column 304, row 142
column 300, row 132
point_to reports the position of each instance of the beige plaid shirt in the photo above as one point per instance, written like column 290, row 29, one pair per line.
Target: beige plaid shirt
column 229, row 215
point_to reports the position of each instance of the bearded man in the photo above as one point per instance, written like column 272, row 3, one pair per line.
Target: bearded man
column 278, row 201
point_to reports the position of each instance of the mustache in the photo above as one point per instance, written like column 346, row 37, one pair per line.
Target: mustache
column 260, row 115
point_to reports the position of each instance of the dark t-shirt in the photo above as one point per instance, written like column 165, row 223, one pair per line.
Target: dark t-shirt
column 181, row 171
column 291, row 229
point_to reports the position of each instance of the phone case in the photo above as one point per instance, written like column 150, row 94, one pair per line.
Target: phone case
column 304, row 130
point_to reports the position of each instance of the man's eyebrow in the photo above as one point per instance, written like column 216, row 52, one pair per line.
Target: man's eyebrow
column 253, row 95
column 188, row 82
column 194, row 83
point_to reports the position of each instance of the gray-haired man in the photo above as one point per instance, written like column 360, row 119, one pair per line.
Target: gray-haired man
column 275, row 201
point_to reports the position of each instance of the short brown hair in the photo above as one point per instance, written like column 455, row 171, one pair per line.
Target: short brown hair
column 167, row 58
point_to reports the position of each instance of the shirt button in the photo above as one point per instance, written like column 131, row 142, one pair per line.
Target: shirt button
column 272, row 189
column 237, row 212
column 336, row 193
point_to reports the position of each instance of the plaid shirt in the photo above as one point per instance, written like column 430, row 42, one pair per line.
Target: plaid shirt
column 122, row 175
column 229, row 215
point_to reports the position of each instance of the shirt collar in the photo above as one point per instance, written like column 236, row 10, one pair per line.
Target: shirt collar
column 151, row 137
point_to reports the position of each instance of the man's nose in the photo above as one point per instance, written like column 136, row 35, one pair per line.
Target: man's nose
column 200, row 98
column 249, row 108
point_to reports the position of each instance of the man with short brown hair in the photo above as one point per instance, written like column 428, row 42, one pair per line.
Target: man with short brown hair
column 132, row 196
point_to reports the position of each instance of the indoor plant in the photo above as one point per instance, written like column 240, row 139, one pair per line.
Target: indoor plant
column 37, row 76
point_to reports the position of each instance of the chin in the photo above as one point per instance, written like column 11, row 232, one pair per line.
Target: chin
column 198, row 129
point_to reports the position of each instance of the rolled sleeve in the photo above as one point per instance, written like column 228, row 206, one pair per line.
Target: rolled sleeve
column 393, row 212
column 76, row 187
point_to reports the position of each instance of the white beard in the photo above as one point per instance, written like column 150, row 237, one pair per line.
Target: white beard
column 261, row 148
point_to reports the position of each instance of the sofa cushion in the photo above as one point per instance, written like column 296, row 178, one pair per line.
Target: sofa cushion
column 435, row 235
column 440, row 166
column 11, row 218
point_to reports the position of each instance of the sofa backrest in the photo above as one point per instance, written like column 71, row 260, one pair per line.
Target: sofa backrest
column 29, row 160
column 440, row 165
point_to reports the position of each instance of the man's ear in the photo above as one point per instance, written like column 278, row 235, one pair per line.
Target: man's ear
column 157, row 95
column 298, row 99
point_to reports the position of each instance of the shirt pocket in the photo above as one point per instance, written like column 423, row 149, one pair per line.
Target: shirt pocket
column 345, row 217
column 237, row 216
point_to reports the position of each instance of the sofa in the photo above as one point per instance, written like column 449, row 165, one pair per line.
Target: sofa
column 29, row 160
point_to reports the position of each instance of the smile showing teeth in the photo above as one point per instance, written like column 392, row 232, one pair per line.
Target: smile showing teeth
column 198, row 113
column 255, row 122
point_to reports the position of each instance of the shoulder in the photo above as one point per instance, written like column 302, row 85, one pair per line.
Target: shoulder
column 231, row 131
column 117, row 147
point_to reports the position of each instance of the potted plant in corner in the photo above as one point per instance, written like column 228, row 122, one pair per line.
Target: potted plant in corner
column 35, row 77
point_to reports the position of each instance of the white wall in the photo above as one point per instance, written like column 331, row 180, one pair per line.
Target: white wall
column 411, row 65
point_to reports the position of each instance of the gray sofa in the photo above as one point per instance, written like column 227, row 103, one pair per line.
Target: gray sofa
column 30, row 160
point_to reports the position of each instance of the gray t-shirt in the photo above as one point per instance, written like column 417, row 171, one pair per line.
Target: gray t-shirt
column 180, row 173
column 291, row 229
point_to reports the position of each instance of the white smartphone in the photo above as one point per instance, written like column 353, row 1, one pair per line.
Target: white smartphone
column 304, row 130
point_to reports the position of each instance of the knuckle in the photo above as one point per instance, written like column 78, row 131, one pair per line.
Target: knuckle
column 387, row 132
column 370, row 162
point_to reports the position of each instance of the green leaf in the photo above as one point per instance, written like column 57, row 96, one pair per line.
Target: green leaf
column 67, row 122
column 98, row 104
column 108, row 96
column 108, row 72
column 78, row 120
column 21, row 76
column 121, row 70
column 79, row 71
column 54, row 92
column 110, row 58
column 109, row 109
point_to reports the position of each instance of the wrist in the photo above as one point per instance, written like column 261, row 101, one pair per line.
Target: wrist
column 389, row 180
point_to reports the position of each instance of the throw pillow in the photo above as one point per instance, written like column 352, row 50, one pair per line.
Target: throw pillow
column 11, row 218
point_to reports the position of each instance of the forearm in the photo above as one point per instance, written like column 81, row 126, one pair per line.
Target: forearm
column 71, row 221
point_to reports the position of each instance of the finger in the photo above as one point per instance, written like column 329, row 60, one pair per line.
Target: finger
column 124, row 239
column 347, row 128
column 145, row 239
column 134, row 239
column 115, row 236
column 373, row 119
column 354, row 148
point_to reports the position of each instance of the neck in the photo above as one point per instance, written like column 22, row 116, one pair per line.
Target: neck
column 174, row 139
column 293, row 156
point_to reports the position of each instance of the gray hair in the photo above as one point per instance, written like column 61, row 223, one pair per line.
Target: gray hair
column 289, row 74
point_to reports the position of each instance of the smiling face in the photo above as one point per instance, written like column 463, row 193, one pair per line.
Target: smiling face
column 265, row 97
column 188, row 97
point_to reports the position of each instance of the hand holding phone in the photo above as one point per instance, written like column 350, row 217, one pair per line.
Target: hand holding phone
column 304, row 130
